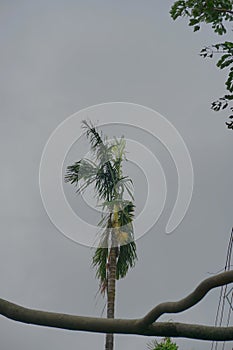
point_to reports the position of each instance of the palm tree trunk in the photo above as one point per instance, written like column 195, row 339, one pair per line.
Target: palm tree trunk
column 111, row 290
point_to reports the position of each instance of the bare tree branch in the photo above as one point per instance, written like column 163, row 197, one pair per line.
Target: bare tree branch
column 222, row 10
column 192, row 299
column 142, row 326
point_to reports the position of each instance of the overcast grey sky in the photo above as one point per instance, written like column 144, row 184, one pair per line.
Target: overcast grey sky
column 58, row 57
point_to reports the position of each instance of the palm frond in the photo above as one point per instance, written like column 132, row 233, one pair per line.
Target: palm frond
column 100, row 258
column 118, row 148
column 126, row 212
column 126, row 259
column 95, row 137
column 128, row 185
column 99, row 143
column 81, row 173
column 99, row 261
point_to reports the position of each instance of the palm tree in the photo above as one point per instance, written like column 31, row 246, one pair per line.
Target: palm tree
column 116, row 251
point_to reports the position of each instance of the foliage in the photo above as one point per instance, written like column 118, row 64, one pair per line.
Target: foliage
column 216, row 13
column 109, row 186
column 166, row 344
column 226, row 61
column 213, row 12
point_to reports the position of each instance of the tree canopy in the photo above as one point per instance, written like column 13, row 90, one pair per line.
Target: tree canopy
column 216, row 13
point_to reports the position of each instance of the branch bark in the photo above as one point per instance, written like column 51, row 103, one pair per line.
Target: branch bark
column 143, row 326
column 192, row 299
column 222, row 10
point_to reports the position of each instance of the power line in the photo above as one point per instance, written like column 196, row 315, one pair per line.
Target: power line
column 226, row 295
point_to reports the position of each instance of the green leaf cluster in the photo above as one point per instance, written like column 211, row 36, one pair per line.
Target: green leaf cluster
column 166, row 344
column 216, row 13
column 213, row 12
column 225, row 50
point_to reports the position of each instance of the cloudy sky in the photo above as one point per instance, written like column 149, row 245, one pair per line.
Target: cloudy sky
column 58, row 57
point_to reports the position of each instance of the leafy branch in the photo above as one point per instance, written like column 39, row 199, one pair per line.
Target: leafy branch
column 225, row 62
column 216, row 13
column 213, row 12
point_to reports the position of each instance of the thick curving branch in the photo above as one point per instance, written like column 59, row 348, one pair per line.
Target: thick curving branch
column 192, row 299
column 143, row 326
